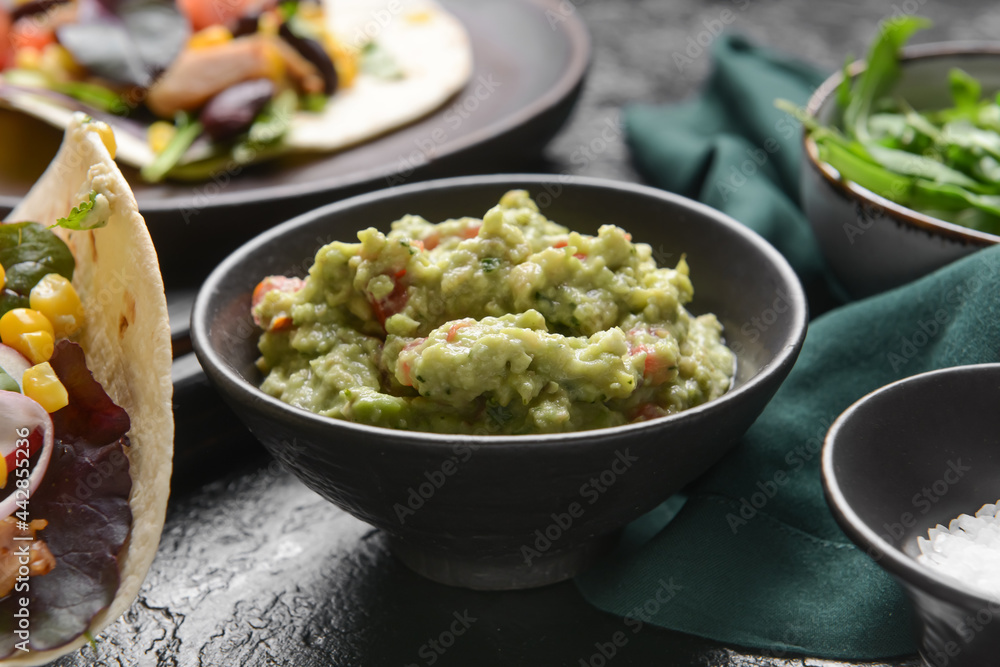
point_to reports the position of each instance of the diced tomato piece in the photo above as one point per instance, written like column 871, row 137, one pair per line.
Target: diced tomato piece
column 35, row 441
column 394, row 303
column 281, row 323
column 31, row 33
column 646, row 411
column 6, row 46
column 628, row 237
column 471, row 232
column 405, row 365
column 400, row 273
column 560, row 244
column 203, row 13
column 418, row 244
column 280, row 283
column 432, row 241
column 580, row 255
column 453, row 331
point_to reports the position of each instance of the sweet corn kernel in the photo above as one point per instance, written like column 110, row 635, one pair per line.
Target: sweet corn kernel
column 42, row 385
column 28, row 57
column 345, row 61
column 159, row 135
column 107, row 136
column 37, row 346
column 422, row 16
column 213, row 35
column 275, row 61
column 269, row 23
column 56, row 298
column 58, row 62
column 3, row 277
column 29, row 332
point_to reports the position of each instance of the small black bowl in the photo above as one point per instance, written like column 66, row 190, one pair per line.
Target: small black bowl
column 499, row 512
column 911, row 455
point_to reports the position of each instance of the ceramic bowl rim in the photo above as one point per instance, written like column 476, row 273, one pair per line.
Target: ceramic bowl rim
column 854, row 191
column 248, row 395
column 894, row 560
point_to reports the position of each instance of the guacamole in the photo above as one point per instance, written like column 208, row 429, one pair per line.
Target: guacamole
column 505, row 325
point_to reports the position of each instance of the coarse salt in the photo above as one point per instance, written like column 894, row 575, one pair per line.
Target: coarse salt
column 967, row 550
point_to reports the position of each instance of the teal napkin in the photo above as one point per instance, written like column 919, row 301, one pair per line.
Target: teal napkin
column 754, row 557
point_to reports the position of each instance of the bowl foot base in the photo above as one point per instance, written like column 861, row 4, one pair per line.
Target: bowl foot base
column 515, row 571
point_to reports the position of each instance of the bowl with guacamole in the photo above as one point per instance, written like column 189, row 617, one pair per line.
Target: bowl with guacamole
column 501, row 371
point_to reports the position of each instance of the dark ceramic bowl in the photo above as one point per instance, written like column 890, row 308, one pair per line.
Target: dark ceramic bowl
column 909, row 456
column 497, row 512
column 870, row 243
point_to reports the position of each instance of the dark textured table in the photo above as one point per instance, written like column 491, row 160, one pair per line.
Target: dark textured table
column 254, row 569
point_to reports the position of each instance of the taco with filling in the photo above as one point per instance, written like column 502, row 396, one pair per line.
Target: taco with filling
column 200, row 87
column 86, row 428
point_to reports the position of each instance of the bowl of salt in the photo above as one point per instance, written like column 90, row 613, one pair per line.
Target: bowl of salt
column 912, row 474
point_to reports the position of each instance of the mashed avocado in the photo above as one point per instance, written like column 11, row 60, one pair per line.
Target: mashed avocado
column 509, row 324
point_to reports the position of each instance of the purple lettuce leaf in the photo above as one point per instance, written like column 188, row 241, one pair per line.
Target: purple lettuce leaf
column 84, row 497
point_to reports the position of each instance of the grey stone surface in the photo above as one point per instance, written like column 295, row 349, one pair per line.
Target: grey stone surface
column 254, row 569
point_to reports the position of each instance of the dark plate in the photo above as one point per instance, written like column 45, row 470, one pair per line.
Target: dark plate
column 530, row 60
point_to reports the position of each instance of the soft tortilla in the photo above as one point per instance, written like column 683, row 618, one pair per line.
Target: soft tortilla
column 430, row 45
column 126, row 339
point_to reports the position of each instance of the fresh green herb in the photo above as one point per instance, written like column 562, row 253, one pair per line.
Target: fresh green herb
column 288, row 9
column 378, row 62
column 262, row 139
column 420, row 379
column 490, row 264
column 314, row 102
column 188, row 130
column 7, row 383
column 943, row 162
column 93, row 95
column 85, row 215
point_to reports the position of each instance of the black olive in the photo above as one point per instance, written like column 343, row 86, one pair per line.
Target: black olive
column 33, row 7
column 314, row 52
column 245, row 25
column 233, row 110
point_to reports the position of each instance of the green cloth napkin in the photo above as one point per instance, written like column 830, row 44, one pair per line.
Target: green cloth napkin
column 754, row 557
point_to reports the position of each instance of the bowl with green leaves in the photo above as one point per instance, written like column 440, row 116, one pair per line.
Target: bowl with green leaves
column 901, row 166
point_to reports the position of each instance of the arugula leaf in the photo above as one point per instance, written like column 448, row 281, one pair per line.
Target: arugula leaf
column 188, row 130
column 881, row 72
column 379, row 62
column 29, row 252
column 965, row 92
